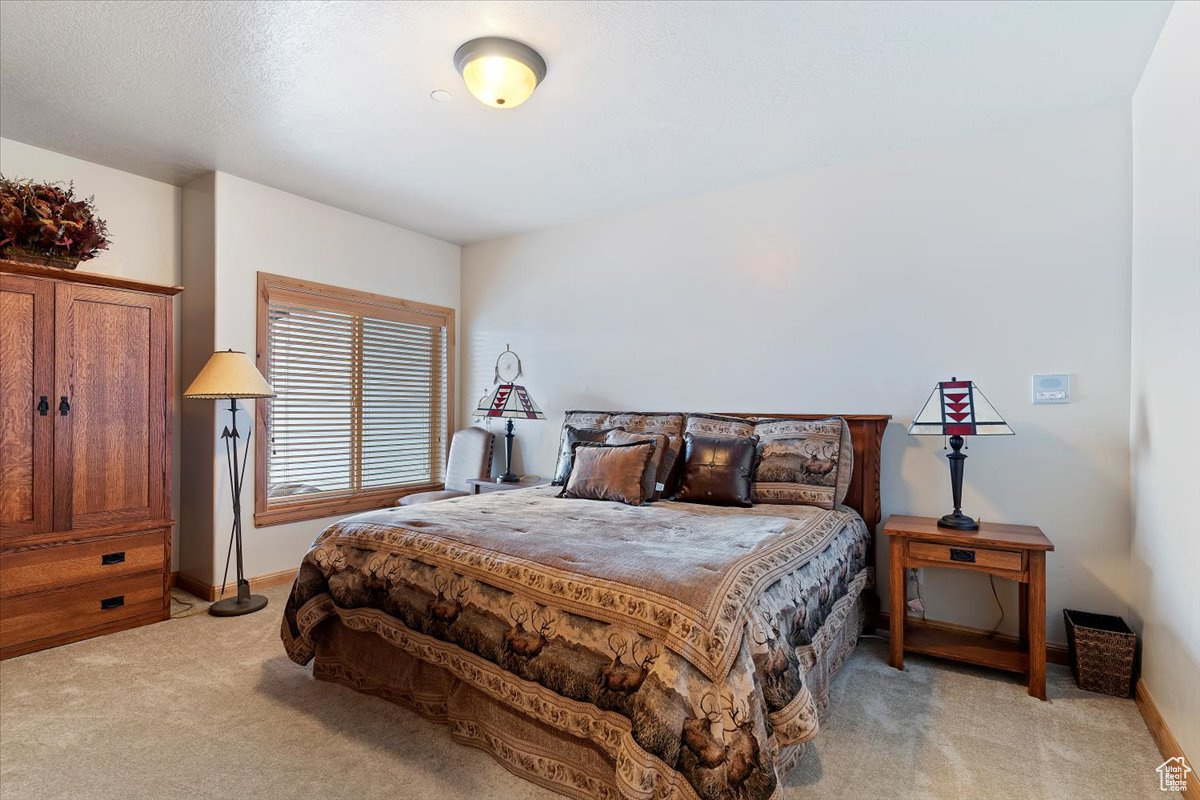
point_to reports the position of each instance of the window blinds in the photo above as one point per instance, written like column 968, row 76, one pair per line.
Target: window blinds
column 361, row 403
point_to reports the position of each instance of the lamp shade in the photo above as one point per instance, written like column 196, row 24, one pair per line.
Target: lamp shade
column 509, row 400
column 229, row 373
column 958, row 408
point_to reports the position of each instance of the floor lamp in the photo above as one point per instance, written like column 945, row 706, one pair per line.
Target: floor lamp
column 230, row 375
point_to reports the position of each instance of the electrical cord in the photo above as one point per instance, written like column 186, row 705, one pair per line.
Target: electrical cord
column 999, row 605
column 188, row 605
column 995, row 595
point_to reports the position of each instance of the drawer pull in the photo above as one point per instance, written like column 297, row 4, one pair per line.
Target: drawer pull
column 967, row 556
column 112, row 602
column 112, row 558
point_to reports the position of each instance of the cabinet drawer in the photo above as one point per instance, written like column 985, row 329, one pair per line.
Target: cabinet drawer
column 41, row 616
column 72, row 564
column 978, row 556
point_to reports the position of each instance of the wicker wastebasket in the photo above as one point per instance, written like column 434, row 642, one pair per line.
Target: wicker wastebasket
column 1101, row 648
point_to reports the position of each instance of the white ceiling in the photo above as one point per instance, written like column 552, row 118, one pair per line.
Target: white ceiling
column 643, row 101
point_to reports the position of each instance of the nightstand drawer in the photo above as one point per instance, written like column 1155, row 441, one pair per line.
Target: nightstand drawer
column 992, row 559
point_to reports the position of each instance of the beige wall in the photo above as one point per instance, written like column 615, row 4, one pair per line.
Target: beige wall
column 144, row 225
column 1164, row 433
column 196, row 556
column 853, row 289
column 256, row 228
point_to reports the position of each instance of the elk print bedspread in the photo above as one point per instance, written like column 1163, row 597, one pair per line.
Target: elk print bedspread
column 677, row 637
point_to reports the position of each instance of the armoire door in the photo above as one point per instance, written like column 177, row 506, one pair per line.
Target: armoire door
column 26, row 427
column 111, row 408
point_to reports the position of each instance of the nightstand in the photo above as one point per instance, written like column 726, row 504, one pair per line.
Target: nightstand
column 1015, row 552
column 484, row 485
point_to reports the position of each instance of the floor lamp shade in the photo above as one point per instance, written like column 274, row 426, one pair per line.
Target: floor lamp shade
column 230, row 375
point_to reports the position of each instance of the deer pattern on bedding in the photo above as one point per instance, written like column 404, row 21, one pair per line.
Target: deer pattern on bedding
column 720, row 736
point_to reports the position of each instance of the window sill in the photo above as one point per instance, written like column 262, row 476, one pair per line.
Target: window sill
column 335, row 506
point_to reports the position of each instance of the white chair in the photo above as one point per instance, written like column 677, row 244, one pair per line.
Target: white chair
column 470, row 457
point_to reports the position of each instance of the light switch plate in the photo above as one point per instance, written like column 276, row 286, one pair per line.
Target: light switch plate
column 1051, row 388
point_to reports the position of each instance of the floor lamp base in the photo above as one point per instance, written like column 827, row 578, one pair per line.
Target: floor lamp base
column 235, row 606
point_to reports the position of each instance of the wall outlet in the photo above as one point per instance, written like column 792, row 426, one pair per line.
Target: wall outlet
column 1055, row 388
column 917, row 576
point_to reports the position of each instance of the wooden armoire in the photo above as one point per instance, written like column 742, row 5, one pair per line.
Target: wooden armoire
column 85, row 455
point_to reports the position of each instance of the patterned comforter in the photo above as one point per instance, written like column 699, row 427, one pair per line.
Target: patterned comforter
column 694, row 626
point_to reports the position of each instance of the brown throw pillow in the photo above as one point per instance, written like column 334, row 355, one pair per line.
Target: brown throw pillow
column 654, row 477
column 669, row 423
column 609, row 472
column 717, row 469
column 566, row 454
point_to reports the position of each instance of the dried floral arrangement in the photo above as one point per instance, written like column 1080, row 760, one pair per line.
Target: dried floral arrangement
column 45, row 223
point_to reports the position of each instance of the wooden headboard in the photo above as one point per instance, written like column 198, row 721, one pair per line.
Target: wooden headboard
column 866, row 431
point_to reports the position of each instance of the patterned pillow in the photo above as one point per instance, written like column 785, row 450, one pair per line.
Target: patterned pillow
column 800, row 462
column 803, row 462
column 718, row 425
column 670, row 424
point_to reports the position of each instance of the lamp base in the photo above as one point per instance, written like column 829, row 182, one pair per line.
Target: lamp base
column 235, row 606
column 508, row 476
column 958, row 521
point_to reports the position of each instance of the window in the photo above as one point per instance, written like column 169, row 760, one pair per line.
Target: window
column 364, row 399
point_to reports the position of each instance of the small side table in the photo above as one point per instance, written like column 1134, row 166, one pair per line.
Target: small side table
column 484, row 485
column 1015, row 552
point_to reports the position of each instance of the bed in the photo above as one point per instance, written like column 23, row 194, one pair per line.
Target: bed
column 671, row 650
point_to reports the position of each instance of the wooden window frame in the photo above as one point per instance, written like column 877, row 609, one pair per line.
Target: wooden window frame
column 337, row 298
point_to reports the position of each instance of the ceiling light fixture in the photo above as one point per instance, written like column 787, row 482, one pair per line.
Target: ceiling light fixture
column 500, row 72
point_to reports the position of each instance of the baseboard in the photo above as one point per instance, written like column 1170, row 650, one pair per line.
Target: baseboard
column 1055, row 653
column 1167, row 744
column 207, row 592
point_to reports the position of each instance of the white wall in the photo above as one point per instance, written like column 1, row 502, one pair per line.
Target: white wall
column 257, row 228
column 853, row 289
column 1165, row 435
column 144, row 226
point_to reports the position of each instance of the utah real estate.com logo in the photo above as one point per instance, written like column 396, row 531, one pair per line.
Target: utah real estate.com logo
column 1173, row 775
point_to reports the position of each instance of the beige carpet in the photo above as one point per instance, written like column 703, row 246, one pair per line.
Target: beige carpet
column 202, row 708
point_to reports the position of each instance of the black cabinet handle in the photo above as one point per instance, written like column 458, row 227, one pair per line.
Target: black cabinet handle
column 112, row 558
column 112, row 602
column 44, row 406
column 63, row 406
column 967, row 556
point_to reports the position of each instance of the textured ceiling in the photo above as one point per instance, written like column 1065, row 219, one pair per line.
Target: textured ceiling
column 643, row 101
